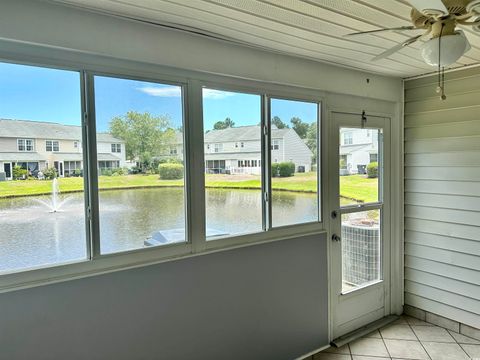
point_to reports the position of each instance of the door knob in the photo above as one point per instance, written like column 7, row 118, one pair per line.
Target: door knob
column 335, row 237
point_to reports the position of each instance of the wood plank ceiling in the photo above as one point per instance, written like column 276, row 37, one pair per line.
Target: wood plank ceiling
column 312, row 29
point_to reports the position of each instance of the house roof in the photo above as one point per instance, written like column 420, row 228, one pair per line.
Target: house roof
column 22, row 156
column 240, row 133
column 46, row 130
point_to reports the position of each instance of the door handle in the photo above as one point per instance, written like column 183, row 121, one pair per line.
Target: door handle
column 336, row 238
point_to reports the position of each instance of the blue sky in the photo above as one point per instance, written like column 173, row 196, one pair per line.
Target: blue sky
column 34, row 93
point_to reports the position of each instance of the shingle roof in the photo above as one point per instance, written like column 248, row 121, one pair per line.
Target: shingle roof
column 22, row 156
column 46, row 130
column 240, row 133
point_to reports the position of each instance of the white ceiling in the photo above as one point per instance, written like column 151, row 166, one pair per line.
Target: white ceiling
column 312, row 29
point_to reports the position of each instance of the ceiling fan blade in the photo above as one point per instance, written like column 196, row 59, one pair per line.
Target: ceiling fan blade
column 425, row 5
column 397, row 48
column 384, row 29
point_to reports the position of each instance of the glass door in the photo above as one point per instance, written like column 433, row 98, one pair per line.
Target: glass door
column 359, row 226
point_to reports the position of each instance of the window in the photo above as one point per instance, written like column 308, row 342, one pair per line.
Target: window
column 139, row 151
column 231, row 212
column 25, row 145
column 151, row 125
column 373, row 157
column 275, row 144
column 296, row 163
column 52, row 145
column 116, row 148
column 41, row 230
column 348, row 138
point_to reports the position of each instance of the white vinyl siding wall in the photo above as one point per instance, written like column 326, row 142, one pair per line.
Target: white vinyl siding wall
column 442, row 196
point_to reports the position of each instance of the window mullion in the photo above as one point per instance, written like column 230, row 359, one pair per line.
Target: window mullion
column 266, row 164
column 90, row 165
column 195, row 166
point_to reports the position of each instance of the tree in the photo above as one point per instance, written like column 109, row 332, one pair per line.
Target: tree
column 279, row 123
column 145, row 135
column 311, row 140
column 227, row 123
column 300, row 127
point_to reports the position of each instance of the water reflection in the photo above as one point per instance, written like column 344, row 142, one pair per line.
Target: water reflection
column 32, row 236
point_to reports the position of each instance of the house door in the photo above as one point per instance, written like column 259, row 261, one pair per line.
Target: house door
column 7, row 167
column 59, row 167
column 359, row 213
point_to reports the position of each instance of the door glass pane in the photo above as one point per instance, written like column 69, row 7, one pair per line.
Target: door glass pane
column 233, row 154
column 359, row 165
column 361, row 249
column 293, row 153
column 42, row 212
column 140, row 164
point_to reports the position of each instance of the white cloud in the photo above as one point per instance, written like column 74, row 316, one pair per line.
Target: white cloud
column 173, row 91
column 216, row 94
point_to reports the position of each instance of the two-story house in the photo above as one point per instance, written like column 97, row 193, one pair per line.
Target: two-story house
column 36, row 145
column 358, row 148
column 237, row 150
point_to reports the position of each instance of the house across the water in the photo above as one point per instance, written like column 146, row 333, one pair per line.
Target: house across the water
column 35, row 146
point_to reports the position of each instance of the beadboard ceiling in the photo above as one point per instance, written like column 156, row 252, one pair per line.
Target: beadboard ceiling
column 311, row 29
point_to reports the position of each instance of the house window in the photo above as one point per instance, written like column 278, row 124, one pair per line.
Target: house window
column 116, row 148
column 135, row 219
column 173, row 151
column 25, row 145
column 224, row 207
column 299, row 158
column 236, row 145
column 57, row 240
column 348, row 138
column 275, row 145
column 52, row 145
column 373, row 157
column 75, row 144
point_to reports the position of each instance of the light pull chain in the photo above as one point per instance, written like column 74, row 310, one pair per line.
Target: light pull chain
column 441, row 69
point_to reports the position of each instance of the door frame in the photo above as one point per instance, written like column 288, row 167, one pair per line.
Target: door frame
column 11, row 169
column 395, row 301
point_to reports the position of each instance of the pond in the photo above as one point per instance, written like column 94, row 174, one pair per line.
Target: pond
column 31, row 235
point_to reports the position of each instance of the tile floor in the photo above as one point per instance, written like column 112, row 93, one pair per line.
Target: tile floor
column 406, row 339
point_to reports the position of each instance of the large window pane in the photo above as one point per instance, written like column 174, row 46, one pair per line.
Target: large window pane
column 138, row 125
column 233, row 158
column 293, row 153
column 359, row 165
column 42, row 217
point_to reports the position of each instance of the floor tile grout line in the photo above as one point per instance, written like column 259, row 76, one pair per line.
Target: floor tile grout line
column 423, row 347
column 350, row 351
column 384, row 343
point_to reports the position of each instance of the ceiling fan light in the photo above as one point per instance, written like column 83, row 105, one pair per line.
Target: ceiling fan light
column 452, row 49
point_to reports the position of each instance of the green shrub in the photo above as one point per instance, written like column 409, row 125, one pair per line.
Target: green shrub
column 275, row 170
column 19, row 173
column 372, row 170
column 77, row 172
column 50, row 173
column 105, row 172
column 169, row 171
column 286, row 169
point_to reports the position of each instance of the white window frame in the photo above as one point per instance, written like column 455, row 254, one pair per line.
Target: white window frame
column 348, row 140
column 116, row 148
column 52, row 145
column 23, row 142
column 192, row 86
column 275, row 144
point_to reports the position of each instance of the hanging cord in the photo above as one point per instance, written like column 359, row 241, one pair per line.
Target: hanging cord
column 441, row 69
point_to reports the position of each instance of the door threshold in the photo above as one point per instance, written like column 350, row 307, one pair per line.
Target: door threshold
column 367, row 329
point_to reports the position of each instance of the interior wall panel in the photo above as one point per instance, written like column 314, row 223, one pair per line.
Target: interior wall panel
column 442, row 197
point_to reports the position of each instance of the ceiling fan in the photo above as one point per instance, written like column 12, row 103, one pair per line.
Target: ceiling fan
column 439, row 19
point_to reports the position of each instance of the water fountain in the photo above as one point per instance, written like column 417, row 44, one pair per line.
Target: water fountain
column 54, row 205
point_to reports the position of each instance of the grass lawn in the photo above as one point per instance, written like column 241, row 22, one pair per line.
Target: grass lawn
column 356, row 186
